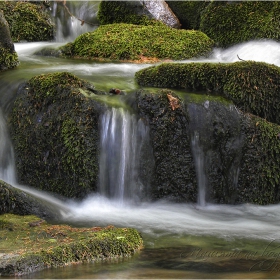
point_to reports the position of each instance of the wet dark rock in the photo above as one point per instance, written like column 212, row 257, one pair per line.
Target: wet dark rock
column 8, row 56
column 16, row 201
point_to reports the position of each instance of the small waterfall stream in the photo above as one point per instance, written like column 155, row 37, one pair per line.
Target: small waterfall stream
column 199, row 159
column 122, row 136
column 7, row 163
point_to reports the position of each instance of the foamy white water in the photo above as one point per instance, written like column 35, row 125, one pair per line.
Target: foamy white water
column 260, row 222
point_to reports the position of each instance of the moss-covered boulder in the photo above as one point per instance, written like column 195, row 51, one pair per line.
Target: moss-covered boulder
column 136, row 42
column 232, row 22
column 188, row 12
column 8, row 55
column 204, row 144
column 28, row 21
column 54, row 129
column 252, row 86
column 136, row 12
column 32, row 244
column 15, row 201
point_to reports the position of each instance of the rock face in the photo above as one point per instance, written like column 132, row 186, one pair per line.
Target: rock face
column 15, row 201
column 161, row 11
column 27, row 21
column 54, row 129
column 8, row 56
column 203, row 148
column 252, row 86
column 233, row 22
column 207, row 150
column 137, row 12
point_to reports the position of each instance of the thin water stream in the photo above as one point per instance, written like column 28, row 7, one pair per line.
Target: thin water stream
column 181, row 240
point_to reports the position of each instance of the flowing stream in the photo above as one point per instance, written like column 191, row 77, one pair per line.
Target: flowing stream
column 181, row 240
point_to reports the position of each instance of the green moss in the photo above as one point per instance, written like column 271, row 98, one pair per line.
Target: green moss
column 231, row 22
column 8, row 59
column 27, row 21
column 260, row 167
column 133, row 42
column 188, row 12
column 123, row 12
column 54, row 129
column 252, row 86
column 29, row 248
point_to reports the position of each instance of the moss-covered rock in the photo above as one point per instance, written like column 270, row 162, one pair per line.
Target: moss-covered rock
column 15, row 201
column 135, row 42
column 188, row 12
column 28, row 21
column 201, row 141
column 174, row 173
column 31, row 244
column 54, row 129
column 134, row 12
column 252, row 86
column 8, row 56
column 232, row 22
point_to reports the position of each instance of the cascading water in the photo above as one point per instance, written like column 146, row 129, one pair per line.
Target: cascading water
column 199, row 159
column 74, row 18
column 122, row 137
column 7, row 166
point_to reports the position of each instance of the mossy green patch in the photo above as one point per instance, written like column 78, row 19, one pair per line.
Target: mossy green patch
column 54, row 129
column 123, row 12
column 27, row 21
column 29, row 244
column 188, row 12
column 232, row 22
column 252, row 86
column 137, row 42
column 8, row 59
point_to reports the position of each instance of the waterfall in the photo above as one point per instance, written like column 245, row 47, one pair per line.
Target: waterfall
column 74, row 18
column 199, row 160
column 7, row 166
column 122, row 137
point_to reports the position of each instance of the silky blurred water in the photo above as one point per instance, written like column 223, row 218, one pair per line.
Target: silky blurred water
column 174, row 234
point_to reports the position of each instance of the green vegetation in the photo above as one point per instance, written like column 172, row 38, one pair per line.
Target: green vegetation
column 252, row 86
column 259, row 177
column 54, row 129
column 230, row 22
column 27, row 21
column 188, row 12
column 123, row 12
column 8, row 59
column 33, row 244
column 135, row 42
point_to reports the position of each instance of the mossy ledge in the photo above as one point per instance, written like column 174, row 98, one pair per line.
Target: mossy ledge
column 128, row 42
column 54, row 130
column 252, row 86
column 32, row 244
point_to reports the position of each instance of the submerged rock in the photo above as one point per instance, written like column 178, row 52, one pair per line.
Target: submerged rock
column 8, row 55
